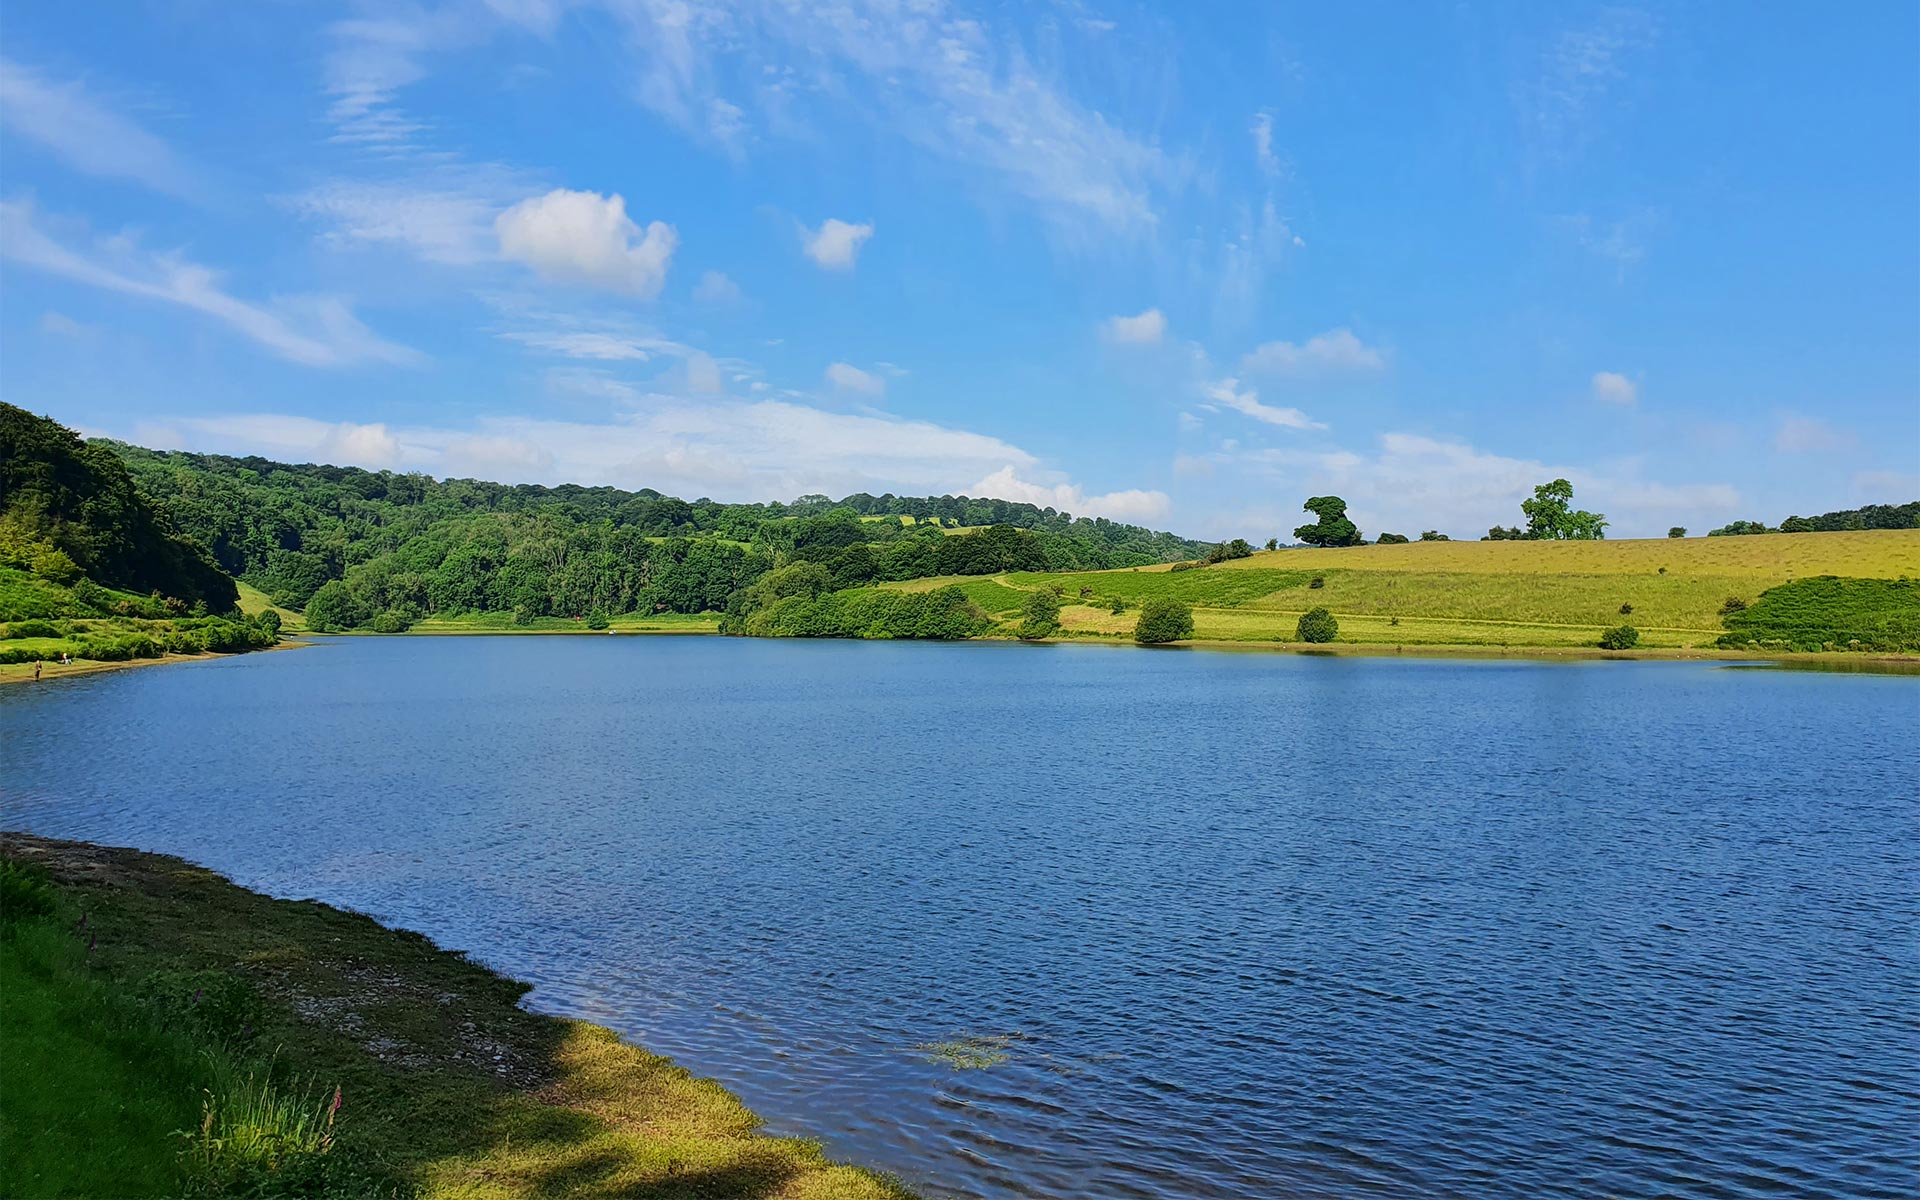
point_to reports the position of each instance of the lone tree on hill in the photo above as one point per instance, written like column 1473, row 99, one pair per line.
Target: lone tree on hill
column 1040, row 613
column 1317, row 625
column 1678, row 531
column 1333, row 528
column 1552, row 517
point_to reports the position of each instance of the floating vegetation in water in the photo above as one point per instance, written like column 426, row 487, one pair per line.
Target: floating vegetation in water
column 969, row 1052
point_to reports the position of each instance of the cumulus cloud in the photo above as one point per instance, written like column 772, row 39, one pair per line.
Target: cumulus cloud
column 1145, row 329
column 716, row 288
column 316, row 331
column 89, row 137
column 1132, row 505
column 1227, row 393
column 587, row 238
column 1611, row 387
column 849, row 378
column 836, row 244
column 1810, row 435
column 1337, row 350
column 293, row 439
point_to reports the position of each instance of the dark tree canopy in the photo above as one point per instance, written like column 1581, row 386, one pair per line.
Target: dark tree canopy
column 1163, row 619
column 1552, row 517
column 1317, row 626
column 1333, row 528
column 76, row 498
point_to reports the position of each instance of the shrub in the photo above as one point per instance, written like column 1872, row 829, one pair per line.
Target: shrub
column 25, row 893
column 1040, row 613
column 91, row 596
column 1620, row 637
column 1434, row 535
column 392, row 620
column 182, row 641
column 55, row 565
column 598, row 619
column 1391, row 539
column 1163, row 619
column 1317, row 625
column 1625, row 609
column 1185, row 566
column 212, row 1004
column 27, row 629
column 1318, row 581
column 1678, row 531
column 1116, row 606
column 1734, row 604
column 269, row 620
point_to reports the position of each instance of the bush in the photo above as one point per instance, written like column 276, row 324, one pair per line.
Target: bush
column 1318, row 581
column 1184, row 566
column 211, row 1004
column 1625, row 609
column 27, row 629
column 25, row 893
column 1391, row 539
column 1317, row 625
column 1116, row 606
column 55, row 565
column 1678, row 531
column 391, row 620
column 1163, row 619
column 1040, row 613
column 1734, row 604
column 598, row 619
column 269, row 620
column 1434, row 535
column 182, row 641
column 1620, row 637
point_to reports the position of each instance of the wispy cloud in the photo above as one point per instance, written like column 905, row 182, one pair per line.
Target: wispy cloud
column 1133, row 504
column 318, row 331
column 848, row 378
column 1579, row 69
column 1337, row 350
column 75, row 127
column 1810, row 435
column 1227, row 393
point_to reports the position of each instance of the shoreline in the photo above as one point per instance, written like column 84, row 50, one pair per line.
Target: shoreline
column 452, row 1087
column 13, row 673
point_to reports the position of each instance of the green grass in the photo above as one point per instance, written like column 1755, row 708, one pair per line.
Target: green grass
column 253, row 600
column 450, row 1089
column 1831, row 613
column 1484, row 594
column 992, row 596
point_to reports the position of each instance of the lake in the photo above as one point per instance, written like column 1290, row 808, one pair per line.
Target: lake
column 1242, row 925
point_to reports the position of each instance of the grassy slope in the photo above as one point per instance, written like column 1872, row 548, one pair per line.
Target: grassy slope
column 253, row 600
column 449, row 1086
column 1544, row 594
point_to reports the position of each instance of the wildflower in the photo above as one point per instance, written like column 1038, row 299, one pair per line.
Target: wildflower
column 196, row 995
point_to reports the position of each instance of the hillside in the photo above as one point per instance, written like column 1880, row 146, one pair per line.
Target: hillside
column 1514, row 594
column 69, row 508
column 385, row 551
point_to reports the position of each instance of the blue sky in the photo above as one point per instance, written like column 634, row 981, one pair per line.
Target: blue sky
column 1184, row 265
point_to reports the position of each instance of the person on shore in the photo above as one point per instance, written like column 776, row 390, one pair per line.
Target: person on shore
column 36, row 670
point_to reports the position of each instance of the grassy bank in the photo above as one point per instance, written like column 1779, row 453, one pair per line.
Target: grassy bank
column 145, row 994
column 1511, row 595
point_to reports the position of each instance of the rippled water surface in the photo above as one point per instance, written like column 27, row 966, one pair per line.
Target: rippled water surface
column 1244, row 925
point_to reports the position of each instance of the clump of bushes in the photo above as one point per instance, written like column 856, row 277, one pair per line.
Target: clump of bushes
column 1185, row 566
column 1316, row 626
column 32, row 629
column 1734, row 604
column 598, row 619
column 1318, row 581
column 1620, row 637
column 390, row 620
column 1040, row 613
column 1877, row 615
column 1163, row 619
column 1116, row 606
column 1625, row 609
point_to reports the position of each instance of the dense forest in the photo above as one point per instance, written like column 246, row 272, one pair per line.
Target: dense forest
column 69, row 508
column 376, row 549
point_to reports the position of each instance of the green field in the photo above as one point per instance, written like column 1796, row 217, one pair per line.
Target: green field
column 500, row 622
column 1488, row 594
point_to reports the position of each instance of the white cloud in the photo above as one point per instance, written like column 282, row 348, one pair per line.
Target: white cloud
column 583, row 344
column 1149, row 327
column 443, row 217
column 1810, row 435
column 1226, row 393
column 584, row 237
column 1132, row 505
column 1611, row 387
column 941, row 79
column 63, row 119
column 1416, row 482
column 1263, row 144
column 703, row 375
column 318, row 331
column 849, row 378
column 716, row 288
column 685, row 446
column 1336, row 350
column 835, row 244
column 298, row 439
column 1577, row 72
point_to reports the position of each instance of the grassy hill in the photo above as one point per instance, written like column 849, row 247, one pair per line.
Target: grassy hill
column 1514, row 594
